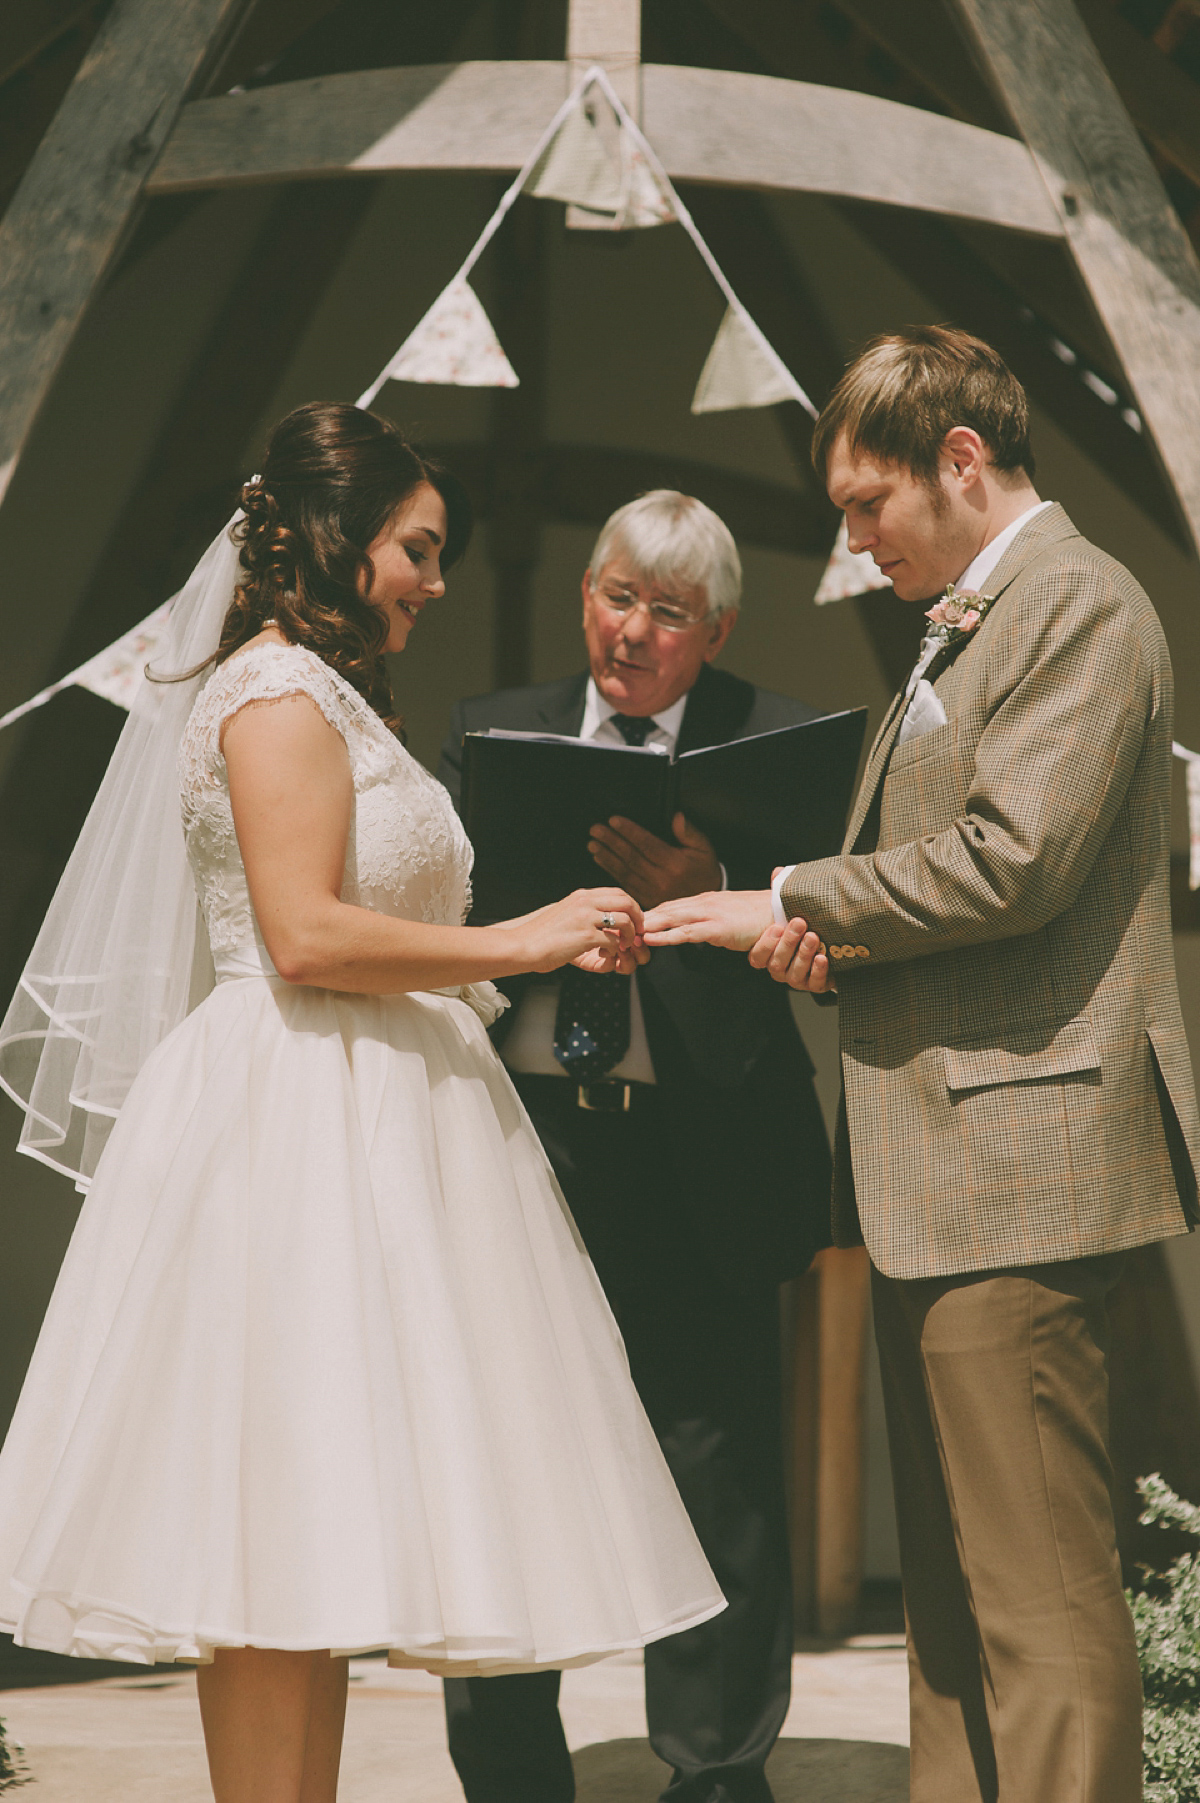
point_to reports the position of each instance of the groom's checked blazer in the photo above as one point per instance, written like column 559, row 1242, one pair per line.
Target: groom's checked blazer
column 1017, row 1086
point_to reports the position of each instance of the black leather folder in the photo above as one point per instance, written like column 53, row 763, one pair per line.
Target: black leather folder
column 529, row 801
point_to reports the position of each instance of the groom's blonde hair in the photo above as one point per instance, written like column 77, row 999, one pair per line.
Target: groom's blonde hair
column 907, row 389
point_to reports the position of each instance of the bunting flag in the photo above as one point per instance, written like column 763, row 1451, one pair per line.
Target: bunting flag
column 455, row 343
column 646, row 200
column 743, row 370
column 625, row 183
column 576, row 167
column 848, row 573
column 115, row 673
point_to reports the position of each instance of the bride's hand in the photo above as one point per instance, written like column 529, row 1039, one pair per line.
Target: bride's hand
column 594, row 928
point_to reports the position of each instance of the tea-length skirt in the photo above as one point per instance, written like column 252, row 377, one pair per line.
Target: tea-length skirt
column 327, row 1365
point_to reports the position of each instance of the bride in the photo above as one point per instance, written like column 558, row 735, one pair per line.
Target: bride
column 327, row 1368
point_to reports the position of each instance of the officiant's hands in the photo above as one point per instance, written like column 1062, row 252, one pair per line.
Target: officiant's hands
column 652, row 869
column 734, row 918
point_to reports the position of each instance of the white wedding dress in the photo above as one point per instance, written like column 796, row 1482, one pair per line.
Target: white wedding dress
column 327, row 1364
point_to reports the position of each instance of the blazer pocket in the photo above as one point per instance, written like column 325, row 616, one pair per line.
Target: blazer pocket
column 939, row 740
column 1021, row 1057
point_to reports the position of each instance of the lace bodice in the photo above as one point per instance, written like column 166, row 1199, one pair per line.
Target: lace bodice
column 407, row 854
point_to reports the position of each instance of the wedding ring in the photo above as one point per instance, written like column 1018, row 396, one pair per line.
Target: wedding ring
column 607, row 922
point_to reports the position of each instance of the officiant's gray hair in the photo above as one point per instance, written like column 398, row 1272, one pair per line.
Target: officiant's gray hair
column 674, row 539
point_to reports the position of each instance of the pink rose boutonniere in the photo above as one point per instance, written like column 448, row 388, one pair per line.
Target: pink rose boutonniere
column 957, row 613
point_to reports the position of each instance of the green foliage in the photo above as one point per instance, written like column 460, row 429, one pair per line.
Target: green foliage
column 12, row 1765
column 1166, row 1619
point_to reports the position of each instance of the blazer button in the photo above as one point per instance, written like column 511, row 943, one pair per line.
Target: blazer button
column 862, row 951
column 837, row 951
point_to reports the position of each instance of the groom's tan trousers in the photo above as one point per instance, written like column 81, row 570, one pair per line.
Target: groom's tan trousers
column 1023, row 1672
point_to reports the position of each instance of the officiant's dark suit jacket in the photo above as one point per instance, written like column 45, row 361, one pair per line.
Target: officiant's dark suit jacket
column 734, row 1076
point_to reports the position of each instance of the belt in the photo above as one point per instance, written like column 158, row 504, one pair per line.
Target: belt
column 609, row 1095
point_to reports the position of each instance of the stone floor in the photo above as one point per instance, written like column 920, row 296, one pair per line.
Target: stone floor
column 136, row 1738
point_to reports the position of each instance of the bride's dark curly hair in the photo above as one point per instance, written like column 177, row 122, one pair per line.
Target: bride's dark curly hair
column 333, row 477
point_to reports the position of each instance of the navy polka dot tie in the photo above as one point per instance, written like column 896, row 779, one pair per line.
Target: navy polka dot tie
column 591, row 1025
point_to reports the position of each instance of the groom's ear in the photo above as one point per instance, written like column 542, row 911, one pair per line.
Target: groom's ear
column 963, row 455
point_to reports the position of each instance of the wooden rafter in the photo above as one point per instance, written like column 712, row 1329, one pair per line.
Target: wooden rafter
column 1131, row 250
column 79, row 195
column 708, row 125
column 1162, row 100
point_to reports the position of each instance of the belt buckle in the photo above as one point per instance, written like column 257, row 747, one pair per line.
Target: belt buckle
column 617, row 1097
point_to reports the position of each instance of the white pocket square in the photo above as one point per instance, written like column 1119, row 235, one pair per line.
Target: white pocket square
column 923, row 713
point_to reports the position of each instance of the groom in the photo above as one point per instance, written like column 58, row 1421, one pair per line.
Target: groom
column 1018, row 1107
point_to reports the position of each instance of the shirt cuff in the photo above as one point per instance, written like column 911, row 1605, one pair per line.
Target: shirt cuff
column 724, row 876
column 777, row 909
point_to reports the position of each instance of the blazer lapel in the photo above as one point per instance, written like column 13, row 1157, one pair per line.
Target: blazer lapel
column 1044, row 530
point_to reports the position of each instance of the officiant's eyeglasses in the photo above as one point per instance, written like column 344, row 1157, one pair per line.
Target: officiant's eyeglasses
column 667, row 614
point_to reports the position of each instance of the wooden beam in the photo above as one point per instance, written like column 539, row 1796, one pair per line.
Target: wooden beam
column 1162, row 100
column 909, row 32
column 32, row 27
column 930, row 256
column 707, row 125
column 841, row 1436
column 608, row 32
column 32, row 96
column 1128, row 241
column 920, row 37
column 76, row 202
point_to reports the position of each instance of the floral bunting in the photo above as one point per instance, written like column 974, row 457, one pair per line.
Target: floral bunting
column 743, row 370
column 576, row 167
column 848, row 573
column 116, row 673
column 455, row 344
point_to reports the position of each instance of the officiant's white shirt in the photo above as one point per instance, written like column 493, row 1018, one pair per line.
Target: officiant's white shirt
column 529, row 1046
column 973, row 577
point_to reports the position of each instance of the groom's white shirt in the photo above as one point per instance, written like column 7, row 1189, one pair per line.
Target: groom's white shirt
column 924, row 710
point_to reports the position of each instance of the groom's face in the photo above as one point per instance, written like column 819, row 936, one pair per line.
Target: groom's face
column 921, row 535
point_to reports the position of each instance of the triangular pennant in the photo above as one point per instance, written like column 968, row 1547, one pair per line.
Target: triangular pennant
column 848, row 573
column 644, row 201
column 116, row 673
column 454, row 344
column 576, row 167
column 742, row 370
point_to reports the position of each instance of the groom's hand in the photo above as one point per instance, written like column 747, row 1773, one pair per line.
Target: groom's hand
column 651, row 869
column 734, row 918
column 794, row 955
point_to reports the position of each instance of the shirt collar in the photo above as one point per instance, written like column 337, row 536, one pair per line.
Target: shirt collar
column 978, row 571
column 596, row 710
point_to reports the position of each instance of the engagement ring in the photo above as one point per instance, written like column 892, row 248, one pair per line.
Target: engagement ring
column 607, row 922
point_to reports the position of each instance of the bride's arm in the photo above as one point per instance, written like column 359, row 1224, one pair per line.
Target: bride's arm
column 292, row 794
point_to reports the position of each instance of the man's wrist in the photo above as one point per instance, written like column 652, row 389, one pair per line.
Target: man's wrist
column 778, row 912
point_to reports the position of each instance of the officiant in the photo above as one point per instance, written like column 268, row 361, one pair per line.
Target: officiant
column 678, row 1112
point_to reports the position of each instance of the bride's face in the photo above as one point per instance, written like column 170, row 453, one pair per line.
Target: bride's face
column 407, row 560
